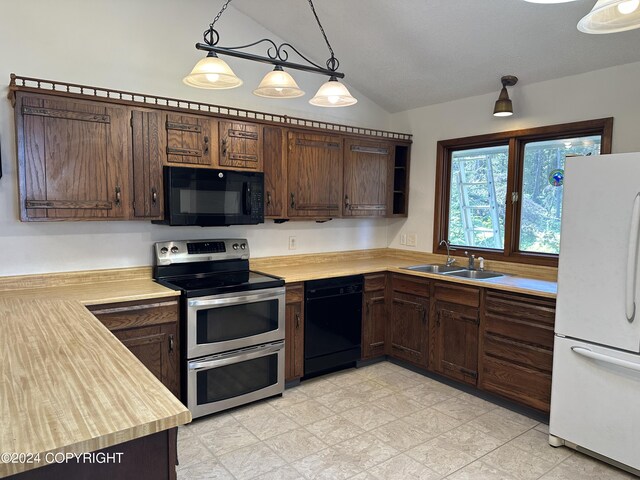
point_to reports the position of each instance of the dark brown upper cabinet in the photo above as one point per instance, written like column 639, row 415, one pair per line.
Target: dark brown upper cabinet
column 240, row 145
column 192, row 140
column 72, row 158
column 367, row 168
column 314, row 165
column 275, row 168
column 148, row 156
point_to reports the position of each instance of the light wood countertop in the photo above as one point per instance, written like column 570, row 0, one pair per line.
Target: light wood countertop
column 532, row 280
column 69, row 385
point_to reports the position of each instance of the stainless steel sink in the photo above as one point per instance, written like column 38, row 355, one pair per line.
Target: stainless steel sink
column 474, row 274
column 434, row 268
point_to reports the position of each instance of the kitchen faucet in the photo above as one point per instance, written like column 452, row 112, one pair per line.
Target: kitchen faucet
column 450, row 260
column 472, row 260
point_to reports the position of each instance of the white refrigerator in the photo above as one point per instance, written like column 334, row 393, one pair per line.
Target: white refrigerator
column 595, row 395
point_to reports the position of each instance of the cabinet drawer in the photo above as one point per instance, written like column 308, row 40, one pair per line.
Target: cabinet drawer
column 408, row 284
column 376, row 281
column 458, row 294
column 526, row 386
column 522, row 330
column 518, row 353
column 295, row 293
column 526, row 308
column 120, row 316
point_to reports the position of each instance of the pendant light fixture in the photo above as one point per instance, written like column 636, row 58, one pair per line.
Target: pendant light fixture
column 212, row 72
column 278, row 84
column 504, row 106
column 611, row 16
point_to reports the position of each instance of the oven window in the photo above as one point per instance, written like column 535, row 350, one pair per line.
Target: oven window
column 229, row 381
column 236, row 321
column 214, row 202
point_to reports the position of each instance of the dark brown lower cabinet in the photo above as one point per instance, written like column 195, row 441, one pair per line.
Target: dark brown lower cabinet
column 516, row 346
column 150, row 330
column 374, row 315
column 294, row 332
column 409, row 320
column 455, row 331
column 146, row 458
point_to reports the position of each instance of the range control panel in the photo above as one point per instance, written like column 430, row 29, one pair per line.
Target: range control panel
column 185, row 251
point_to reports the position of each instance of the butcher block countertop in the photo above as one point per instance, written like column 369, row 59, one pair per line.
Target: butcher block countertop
column 89, row 287
column 532, row 280
column 69, row 385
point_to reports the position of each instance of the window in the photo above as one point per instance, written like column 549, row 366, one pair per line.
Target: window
column 500, row 195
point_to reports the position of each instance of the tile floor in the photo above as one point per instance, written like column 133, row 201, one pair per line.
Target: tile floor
column 378, row 422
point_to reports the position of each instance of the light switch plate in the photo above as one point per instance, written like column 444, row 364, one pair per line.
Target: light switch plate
column 293, row 243
column 403, row 239
column 412, row 239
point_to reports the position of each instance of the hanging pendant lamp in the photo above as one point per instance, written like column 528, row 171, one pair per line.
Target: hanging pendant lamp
column 212, row 72
column 333, row 94
column 278, row 84
column 611, row 16
column 504, row 106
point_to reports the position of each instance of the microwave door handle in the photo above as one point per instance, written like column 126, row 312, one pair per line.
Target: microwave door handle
column 246, row 207
column 632, row 261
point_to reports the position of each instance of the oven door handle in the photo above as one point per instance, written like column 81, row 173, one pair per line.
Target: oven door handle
column 257, row 297
column 235, row 357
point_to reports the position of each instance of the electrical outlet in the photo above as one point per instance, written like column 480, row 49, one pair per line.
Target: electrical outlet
column 403, row 239
column 412, row 239
column 293, row 243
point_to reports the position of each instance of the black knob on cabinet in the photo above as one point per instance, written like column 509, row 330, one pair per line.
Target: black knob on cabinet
column 174, row 249
column 235, row 246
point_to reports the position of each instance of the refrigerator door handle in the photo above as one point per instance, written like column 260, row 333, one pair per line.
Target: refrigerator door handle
column 632, row 261
column 585, row 352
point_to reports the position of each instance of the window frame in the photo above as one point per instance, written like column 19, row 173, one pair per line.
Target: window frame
column 516, row 141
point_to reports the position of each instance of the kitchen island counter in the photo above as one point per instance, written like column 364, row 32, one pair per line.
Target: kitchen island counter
column 69, row 385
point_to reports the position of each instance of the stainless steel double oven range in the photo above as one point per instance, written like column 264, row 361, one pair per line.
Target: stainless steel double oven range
column 232, row 333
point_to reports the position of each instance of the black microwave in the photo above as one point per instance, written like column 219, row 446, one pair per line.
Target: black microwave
column 208, row 198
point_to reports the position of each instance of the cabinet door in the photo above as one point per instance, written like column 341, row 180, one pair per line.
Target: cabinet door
column 73, row 157
column 374, row 324
column 155, row 347
column 190, row 140
column 240, row 145
column 275, row 180
column 366, row 173
column 314, row 167
column 409, row 327
column 294, row 332
column 457, row 342
column 148, row 158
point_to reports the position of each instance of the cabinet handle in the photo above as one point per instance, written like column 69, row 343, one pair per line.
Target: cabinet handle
column 368, row 304
column 206, row 145
column 171, row 343
column 268, row 199
column 293, row 200
column 347, row 203
column 423, row 311
column 154, row 196
column 438, row 319
column 118, row 197
column 297, row 320
column 224, row 147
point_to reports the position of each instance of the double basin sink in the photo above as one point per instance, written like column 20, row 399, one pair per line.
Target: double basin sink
column 451, row 271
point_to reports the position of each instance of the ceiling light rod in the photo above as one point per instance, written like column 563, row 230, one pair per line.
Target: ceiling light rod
column 276, row 54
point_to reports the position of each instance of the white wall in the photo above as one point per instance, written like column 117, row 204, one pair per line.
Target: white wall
column 146, row 46
column 612, row 92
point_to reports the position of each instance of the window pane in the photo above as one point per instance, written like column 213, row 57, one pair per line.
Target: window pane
column 541, row 196
column 478, row 188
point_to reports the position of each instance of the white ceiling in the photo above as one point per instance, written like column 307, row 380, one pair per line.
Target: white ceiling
column 411, row 53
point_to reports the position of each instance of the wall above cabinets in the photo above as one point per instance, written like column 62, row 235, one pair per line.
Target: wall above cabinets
column 87, row 153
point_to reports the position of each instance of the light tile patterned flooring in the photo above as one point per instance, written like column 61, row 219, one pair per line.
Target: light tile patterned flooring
column 379, row 422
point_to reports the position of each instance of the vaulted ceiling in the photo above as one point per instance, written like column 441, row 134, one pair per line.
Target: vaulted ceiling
column 411, row 53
